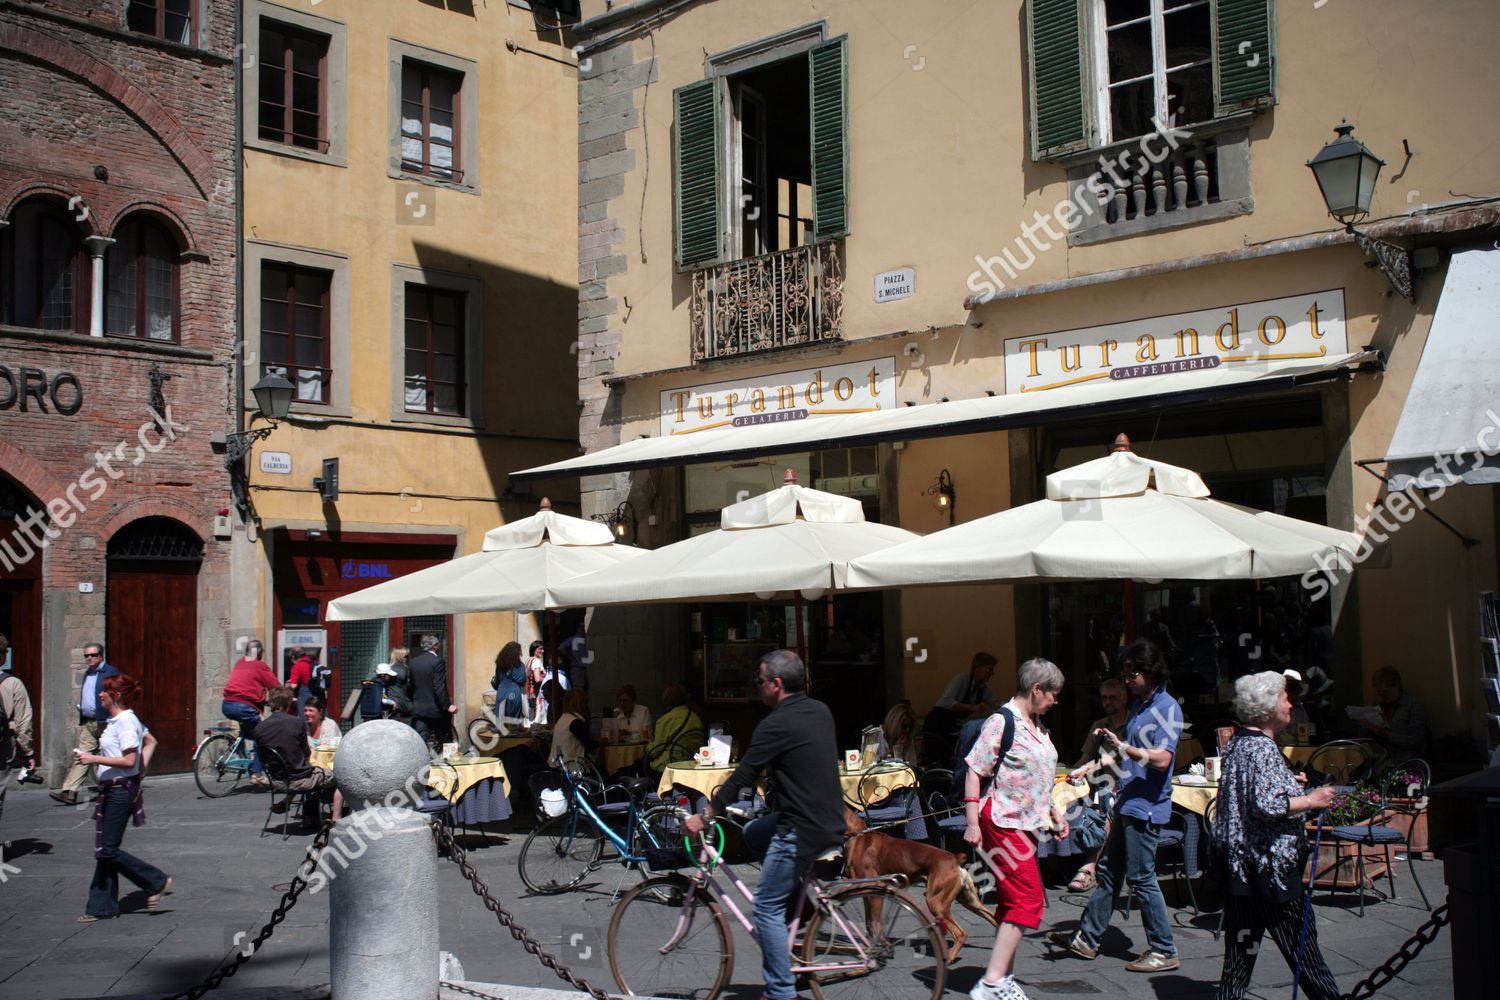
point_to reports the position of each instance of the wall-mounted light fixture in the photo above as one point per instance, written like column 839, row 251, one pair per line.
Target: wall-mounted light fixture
column 945, row 496
column 1346, row 171
column 621, row 520
column 273, row 401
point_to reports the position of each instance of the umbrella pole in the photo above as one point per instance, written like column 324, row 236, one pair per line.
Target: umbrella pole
column 1127, row 609
column 552, row 654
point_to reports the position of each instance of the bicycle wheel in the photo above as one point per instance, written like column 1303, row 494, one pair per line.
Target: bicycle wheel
column 215, row 776
column 560, row 853
column 657, row 828
column 885, row 942
column 648, row 955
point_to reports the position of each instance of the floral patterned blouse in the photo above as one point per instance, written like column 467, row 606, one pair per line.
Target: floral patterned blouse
column 1020, row 797
column 1262, row 839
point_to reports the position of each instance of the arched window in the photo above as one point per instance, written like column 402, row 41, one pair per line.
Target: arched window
column 140, row 282
column 43, row 269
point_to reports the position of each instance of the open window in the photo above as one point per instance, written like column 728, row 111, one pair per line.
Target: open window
column 761, row 162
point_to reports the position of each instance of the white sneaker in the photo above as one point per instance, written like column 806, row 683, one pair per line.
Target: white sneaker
column 1005, row 989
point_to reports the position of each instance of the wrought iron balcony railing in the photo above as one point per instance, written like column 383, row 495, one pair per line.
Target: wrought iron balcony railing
column 775, row 300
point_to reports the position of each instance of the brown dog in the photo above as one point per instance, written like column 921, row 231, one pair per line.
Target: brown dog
column 872, row 854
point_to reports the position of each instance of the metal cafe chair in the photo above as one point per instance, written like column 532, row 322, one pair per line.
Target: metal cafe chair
column 1383, row 835
column 1341, row 760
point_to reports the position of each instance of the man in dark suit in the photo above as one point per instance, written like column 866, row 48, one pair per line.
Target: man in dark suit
column 431, row 706
column 91, row 719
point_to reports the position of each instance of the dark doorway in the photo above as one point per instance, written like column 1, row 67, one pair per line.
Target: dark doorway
column 20, row 598
column 153, row 628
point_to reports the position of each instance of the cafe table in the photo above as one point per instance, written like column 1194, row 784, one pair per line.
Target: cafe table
column 702, row 778
column 477, row 787
column 1343, row 760
column 613, row 756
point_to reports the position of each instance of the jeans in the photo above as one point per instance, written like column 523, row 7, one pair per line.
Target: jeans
column 111, row 863
column 1129, row 856
column 779, row 875
column 247, row 716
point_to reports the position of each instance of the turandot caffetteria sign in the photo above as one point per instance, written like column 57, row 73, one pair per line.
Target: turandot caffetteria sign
column 853, row 387
column 1299, row 326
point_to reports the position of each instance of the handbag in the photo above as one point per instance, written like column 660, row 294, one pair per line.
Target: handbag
column 1088, row 828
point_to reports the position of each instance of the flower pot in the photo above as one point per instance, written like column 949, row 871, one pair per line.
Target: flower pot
column 1337, row 861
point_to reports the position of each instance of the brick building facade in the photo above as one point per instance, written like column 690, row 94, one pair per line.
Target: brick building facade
column 117, row 320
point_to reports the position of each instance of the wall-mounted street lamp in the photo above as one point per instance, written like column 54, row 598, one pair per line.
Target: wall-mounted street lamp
column 620, row 520
column 1346, row 171
column 273, row 401
column 945, row 495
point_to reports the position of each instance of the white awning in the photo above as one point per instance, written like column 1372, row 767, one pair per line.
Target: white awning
column 1449, row 431
column 961, row 416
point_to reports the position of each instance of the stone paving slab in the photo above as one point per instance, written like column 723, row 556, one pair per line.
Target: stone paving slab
column 228, row 878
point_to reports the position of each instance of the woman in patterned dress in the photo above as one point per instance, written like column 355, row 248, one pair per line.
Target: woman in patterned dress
column 1258, row 821
column 1008, row 819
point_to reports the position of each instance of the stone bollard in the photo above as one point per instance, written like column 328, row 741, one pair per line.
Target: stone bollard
column 381, row 867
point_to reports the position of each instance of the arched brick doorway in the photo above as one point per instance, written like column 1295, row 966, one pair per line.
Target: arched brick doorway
column 21, row 595
column 153, row 628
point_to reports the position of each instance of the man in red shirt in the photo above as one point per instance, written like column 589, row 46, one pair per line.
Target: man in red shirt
column 300, row 677
column 245, row 695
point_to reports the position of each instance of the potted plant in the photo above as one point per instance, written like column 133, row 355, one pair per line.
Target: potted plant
column 1406, row 807
column 1337, row 863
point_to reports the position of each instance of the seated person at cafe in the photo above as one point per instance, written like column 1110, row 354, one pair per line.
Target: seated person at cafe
column 1116, row 711
column 1403, row 731
column 898, row 733
column 320, row 728
column 679, row 732
column 964, row 695
column 632, row 720
column 1295, row 690
column 286, row 734
column 571, row 740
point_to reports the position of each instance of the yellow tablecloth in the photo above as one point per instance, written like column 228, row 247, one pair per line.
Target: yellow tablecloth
column 1065, row 793
column 451, row 779
column 868, row 786
column 687, row 772
column 504, row 743
column 613, row 756
column 1194, row 798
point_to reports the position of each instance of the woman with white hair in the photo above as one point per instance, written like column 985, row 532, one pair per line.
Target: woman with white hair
column 1258, row 824
column 1018, row 808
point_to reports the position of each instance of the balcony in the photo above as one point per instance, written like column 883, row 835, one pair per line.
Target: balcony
column 785, row 299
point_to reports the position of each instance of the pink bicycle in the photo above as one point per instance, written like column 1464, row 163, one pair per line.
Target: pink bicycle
column 669, row 936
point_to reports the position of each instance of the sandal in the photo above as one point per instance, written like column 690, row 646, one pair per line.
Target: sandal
column 89, row 918
column 154, row 900
column 1083, row 881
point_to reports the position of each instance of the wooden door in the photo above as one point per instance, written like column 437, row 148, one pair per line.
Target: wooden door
column 153, row 627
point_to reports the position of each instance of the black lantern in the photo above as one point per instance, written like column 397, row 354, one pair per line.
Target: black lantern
column 273, row 396
column 1346, row 172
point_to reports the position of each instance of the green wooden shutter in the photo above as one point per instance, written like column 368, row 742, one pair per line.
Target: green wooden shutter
column 697, row 161
column 828, row 71
column 1059, row 116
column 1244, row 75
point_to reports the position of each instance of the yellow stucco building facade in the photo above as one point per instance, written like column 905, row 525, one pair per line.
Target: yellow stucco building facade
column 1033, row 226
column 409, row 265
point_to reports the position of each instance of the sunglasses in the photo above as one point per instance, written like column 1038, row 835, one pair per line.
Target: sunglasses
column 93, row 656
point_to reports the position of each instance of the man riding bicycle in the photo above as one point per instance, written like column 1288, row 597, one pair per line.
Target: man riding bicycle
column 795, row 743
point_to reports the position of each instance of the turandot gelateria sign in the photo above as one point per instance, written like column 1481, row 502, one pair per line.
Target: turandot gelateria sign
column 1299, row 326
column 853, row 387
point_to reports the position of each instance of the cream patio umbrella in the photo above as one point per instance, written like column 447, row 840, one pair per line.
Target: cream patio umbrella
column 1118, row 517
column 514, row 571
column 790, row 539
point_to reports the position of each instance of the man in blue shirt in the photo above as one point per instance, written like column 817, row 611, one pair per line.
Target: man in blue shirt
column 91, row 719
column 1143, row 803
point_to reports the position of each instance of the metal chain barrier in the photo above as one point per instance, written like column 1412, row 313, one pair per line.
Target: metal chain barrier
column 467, row 991
column 288, row 899
column 446, row 842
column 1409, row 950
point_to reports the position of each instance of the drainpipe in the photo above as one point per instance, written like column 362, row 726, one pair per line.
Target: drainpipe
column 238, row 354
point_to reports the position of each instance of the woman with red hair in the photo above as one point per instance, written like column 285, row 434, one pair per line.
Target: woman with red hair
column 125, row 749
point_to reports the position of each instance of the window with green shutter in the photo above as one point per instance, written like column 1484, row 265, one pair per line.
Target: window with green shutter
column 1104, row 71
column 699, row 160
column 762, row 157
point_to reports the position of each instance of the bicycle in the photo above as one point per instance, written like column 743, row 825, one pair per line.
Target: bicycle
column 669, row 936
column 562, row 850
column 223, row 757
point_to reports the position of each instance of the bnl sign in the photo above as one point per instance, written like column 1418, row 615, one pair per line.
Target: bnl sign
column 356, row 569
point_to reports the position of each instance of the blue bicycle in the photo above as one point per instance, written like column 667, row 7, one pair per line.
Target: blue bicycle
column 561, row 852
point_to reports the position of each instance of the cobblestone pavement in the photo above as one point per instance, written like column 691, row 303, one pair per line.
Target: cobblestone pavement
column 228, row 877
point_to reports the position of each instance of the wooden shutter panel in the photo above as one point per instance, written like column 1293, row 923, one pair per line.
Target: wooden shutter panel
column 828, row 73
column 1059, row 117
column 697, row 160
column 1238, row 85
